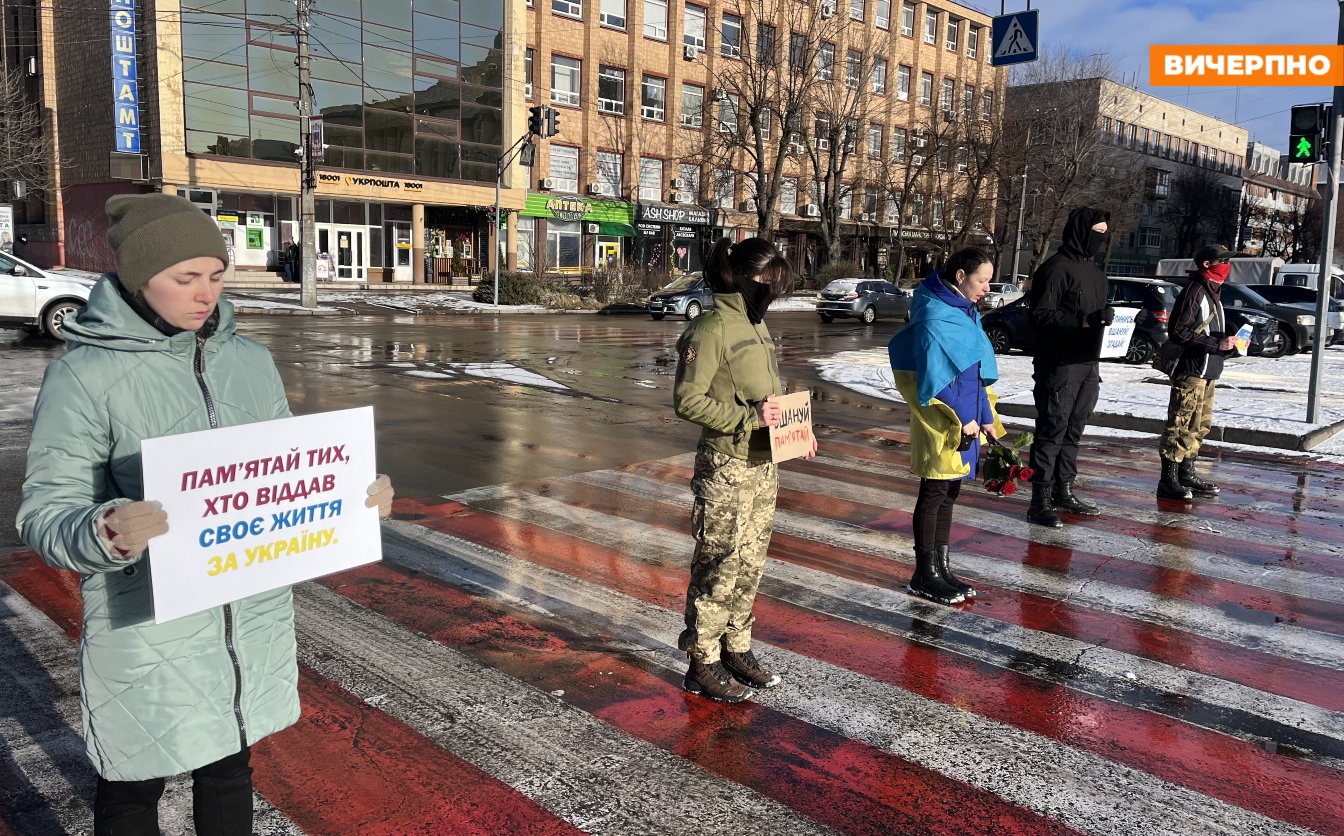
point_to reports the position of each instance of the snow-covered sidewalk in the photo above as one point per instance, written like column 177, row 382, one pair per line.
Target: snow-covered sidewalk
column 1258, row 401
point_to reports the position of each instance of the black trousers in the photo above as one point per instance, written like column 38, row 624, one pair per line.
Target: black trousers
column 221, row 800
column 933, row 511
column 1065, row 397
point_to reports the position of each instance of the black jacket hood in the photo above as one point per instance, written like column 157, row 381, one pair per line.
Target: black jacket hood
column 1078, row 234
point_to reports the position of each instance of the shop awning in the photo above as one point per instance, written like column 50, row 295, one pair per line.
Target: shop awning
column 615, row 230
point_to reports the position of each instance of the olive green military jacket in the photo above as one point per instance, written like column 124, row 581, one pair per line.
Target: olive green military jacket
column 725, row 366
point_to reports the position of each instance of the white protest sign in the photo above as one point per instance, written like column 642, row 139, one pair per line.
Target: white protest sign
column 792, row 436
column 259, row 506
column 1115, row 342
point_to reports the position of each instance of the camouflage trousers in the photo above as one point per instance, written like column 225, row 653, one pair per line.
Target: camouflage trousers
column 1189, row 417
column 732, row 519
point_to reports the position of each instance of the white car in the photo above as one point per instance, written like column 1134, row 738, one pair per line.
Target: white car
column 1000, row 294
column 37, row 299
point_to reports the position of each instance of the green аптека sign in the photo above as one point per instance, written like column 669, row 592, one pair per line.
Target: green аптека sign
column 566, row 208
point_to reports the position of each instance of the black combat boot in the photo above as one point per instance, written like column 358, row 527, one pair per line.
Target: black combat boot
column 714, row 681
column 1041, row 512
column 747, row 669
column 928, row 583
column 942, row 564
column 1064, row 499
column 1170, row 486
column 1196, row 485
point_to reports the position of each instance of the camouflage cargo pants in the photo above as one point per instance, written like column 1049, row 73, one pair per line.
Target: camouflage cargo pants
column 732, row 519
column 1189, row 417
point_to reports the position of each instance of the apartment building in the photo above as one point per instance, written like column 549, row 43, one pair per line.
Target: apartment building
column 1278, row 214
column 652, row 163
column 416, row 101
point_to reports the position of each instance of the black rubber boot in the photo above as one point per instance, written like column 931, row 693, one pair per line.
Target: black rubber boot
column 942, row 564
column 1041, row 512
column 1064, row 499
column 927, row 582
column 1170, row 486
column 1197, row 486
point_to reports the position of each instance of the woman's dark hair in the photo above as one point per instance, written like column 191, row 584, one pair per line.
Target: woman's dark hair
column 731, row 265
column 967, row 260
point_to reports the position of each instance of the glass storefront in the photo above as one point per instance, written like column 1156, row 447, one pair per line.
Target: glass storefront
column 402, row 86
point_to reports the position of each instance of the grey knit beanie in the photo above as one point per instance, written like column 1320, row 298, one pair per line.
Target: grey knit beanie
column 151, row 232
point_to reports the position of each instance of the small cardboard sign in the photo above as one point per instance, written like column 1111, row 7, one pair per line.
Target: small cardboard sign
column 258, row 507
column 1115, row 342
column 792, row 438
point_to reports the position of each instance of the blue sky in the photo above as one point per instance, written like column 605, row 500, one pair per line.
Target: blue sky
column 1125, row 29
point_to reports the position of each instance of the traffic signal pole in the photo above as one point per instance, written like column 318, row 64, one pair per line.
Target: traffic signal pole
column 1325, row 283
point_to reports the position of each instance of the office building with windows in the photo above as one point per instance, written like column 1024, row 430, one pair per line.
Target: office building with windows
column 412, row 96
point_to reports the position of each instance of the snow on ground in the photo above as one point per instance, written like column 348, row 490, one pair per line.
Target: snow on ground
column 795, row 303
column 1254, row 393
column 504, row 372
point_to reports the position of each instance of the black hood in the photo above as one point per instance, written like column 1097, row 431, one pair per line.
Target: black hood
column 1079, row 239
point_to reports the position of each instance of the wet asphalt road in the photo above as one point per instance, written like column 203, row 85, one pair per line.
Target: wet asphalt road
column 448, row 417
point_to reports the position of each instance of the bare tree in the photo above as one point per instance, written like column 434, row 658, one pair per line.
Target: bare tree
column 1199, row 210
column 755, row 97
column 24, row 153
column 963, row 179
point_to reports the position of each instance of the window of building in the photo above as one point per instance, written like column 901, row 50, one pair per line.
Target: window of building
column 650, row 178
column 853, row 68
column 564, row 245
column 973, row 42
column 898, row 144
column 926, row 89
column 689, row 174
column 725, row 184
column 846, row 201
column 692, row 105
column 1143, row 140
column 931, row 27
column 610, row 172
column 949, row 98
column 1161, row 183
column 917, row 209
column 564, row 168
column 565, row 74
column 697, row 21
column 655, row 20
column 963, row 159
column 908, row 19
column 884, row 14
column 611, row 90
column 765, row 44
column 1131, row 135
column 938, row 211
column 788, row 196
column 568, row 8
column 822, row 131
column 875, row 141
column 731, row 36
column 763, row 123
column 826, row 62
column 953, row 41
column 893, row 212
column 968, row 102
column 1107, row 126
column 987, row 105
column 527, row 244
column 612, row 13
column 726, row 122
column 903, row 82
column 1150, row 236
column 653, row 98
column 529, row 59
column 856, row 9
column 797, row 52
column 943, row 156
column 880, row 76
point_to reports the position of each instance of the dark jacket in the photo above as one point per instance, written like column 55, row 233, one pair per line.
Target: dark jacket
column 1198, row 325
column 1066, row 291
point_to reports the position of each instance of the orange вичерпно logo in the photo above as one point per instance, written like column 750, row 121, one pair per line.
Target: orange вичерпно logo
column 1288, row 65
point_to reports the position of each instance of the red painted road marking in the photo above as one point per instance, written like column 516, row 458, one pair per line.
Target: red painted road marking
column 1218, row 765
column 844, row 784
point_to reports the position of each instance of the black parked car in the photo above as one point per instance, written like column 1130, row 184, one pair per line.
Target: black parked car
column 1010, row 326
column 1296, row 327
column 1305, row 298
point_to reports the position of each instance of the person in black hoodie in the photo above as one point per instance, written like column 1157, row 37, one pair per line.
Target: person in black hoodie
column 1070, row 315
column 1199, row 326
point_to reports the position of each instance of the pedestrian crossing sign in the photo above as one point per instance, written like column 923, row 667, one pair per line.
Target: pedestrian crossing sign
column 1014, row 38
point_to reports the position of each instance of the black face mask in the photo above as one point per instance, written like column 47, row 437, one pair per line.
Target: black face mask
column 1095, row 242
column 756, row 299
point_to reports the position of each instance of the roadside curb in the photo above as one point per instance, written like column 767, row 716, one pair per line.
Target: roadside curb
column 1297, row 442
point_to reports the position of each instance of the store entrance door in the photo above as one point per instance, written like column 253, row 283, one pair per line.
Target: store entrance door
column 399, row 250
column 348, row 247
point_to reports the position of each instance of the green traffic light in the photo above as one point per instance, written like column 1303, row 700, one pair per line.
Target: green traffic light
column 1304, row 149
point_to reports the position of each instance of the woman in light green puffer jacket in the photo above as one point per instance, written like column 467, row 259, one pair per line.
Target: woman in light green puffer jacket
column 155, row 353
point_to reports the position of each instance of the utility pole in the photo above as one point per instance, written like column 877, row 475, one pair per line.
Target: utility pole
column 1323, row 285
column 307, row 171
column 1022, row 208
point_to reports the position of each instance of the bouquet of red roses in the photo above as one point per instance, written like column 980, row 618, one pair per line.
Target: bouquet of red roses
column 1002, row 468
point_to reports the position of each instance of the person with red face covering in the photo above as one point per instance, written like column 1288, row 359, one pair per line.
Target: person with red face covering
column 1199, row 327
